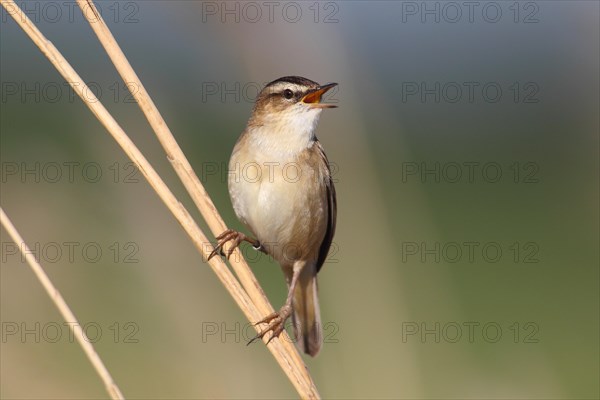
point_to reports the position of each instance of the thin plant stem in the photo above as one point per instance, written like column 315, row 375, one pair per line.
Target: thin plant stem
column 111, row 387
column 290, row 361
column 185, row 171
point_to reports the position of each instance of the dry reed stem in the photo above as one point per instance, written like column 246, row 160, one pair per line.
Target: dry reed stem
column 288, row 361
column 184, row 170
column 136, row 156
column 174, row 153
column 111, row 387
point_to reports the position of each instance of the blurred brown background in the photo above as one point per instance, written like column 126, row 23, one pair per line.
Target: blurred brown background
column 465, row 151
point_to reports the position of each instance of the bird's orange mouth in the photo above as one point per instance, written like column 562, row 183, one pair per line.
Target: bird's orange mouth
column 313, row 98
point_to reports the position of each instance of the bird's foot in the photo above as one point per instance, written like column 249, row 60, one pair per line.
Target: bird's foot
column 276, row 323
column 238, row 238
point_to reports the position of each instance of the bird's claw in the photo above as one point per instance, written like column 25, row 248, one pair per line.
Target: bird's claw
column 276, row 323
column 225, row 237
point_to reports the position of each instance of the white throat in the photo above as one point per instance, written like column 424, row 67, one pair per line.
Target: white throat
column 288, row 133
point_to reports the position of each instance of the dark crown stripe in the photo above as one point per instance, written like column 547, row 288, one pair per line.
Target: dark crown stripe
column 296, row 80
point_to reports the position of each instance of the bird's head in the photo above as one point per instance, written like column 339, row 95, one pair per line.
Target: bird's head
column 291, row 101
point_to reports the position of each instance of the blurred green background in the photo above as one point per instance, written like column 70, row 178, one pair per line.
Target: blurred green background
column 465, row 152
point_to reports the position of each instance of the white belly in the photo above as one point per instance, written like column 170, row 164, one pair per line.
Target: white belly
column 265, row 199
column 281, row 203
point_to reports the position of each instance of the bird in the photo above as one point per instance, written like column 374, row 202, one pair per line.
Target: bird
column 281, row 189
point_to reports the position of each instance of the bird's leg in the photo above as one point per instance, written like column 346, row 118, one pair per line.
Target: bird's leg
column 277, row 320
column 237, row 237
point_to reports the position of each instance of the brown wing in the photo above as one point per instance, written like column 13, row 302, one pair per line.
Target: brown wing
column 331, row 210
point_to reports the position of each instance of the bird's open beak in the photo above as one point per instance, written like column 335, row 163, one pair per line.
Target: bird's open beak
column 313, row 98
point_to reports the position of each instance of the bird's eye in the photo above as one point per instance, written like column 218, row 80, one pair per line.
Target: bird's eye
column 288, row 94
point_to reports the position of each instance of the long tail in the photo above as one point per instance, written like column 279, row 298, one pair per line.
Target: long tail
column 307, row 316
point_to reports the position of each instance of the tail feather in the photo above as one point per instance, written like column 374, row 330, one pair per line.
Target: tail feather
column 307, row 316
